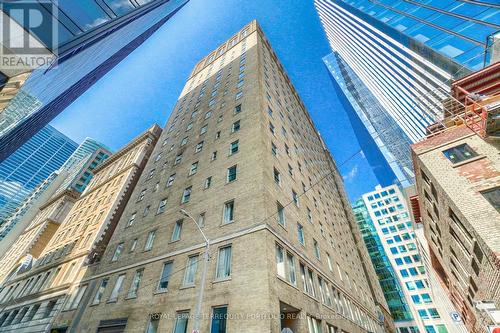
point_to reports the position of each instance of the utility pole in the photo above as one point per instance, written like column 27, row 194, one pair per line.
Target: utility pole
column 201, row 290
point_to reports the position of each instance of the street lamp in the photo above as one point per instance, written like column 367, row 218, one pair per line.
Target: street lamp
column 206, row 258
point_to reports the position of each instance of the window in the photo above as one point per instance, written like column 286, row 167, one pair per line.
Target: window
column 236, row 126
column 189, row 127
column 151, row 174
column 309, row 216
column 295, row 198
column 237, row 109
column 134, row 245
column 193, row 169
column 423, row 314
column 186, row 195
column 214, row 156
column 274, row 149
column 190, row 273
column 277, row 176
column 290, row 170
column 208, row 182
column 231, row 174
column 239, row 94
column 281, row 214
column 270, row 111
column 314, row 325
column 434, row 313
column 310, row 282
column 228, row 212
column 146, row 211
column 48, row 309
column 271, row 128
column 153, row 325
column 209, row 113
column 170, row 180
column 162, row 205
column 217, row 135
column 305, row 286
column 201, row 220
column 141, row 195
column 184, row 141
column 224, row 263
column 150, row 240
column 234, row 147
column 493, row 197
column 131, row 220
column 100, row 291
column 459, row 153
column 118, row 252
column 176, row 233
column 300, row 234
column 203, row 130
column 181, row 322
column 117, row 288
column 219, row 317
column 199, row 147
column 280, row 261
column 178, row 159
column 76, row 298
column 291, row 269
column 136, row 281
column 165, row 276
column 329, row 260
column 316, row 249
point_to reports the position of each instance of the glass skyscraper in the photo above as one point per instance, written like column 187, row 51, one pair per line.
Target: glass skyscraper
column 30, row 165
column 74, row 175
column 384, row 144
column 94, row 36
column 388, row 280
column 407, row 52
column 384, row 212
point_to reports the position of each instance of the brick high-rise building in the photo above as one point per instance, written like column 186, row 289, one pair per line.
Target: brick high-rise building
column 241, row 155
column 458, row 181
column 34, row 294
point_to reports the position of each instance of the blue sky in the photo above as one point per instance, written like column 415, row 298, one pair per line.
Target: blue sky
column 144, row 87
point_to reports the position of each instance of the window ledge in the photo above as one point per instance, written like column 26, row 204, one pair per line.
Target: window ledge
column 221, row 280
column 284, row 280
column 189, row 286
column 470, row 160
column 160, row 291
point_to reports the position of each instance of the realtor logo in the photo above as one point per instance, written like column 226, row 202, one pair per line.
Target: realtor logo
column 28, row 34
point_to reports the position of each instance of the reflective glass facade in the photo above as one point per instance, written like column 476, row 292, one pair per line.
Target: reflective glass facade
column 406, row 53
column 383, row 142
column 96, row 36
column 387, row 277
column 409, row 87
column 30, row 165
column 75, row 174
column 388, row 210
column 455, row 29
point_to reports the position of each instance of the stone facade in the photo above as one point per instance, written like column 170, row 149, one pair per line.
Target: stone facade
column 461, row 217
column 241, row 155
column 34, row 229
column 32, row 297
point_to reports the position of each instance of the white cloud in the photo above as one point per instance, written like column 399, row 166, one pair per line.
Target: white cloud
column 98, row 21
column 351, row 174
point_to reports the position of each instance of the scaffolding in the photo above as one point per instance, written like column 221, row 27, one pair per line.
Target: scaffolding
column 475, row 103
